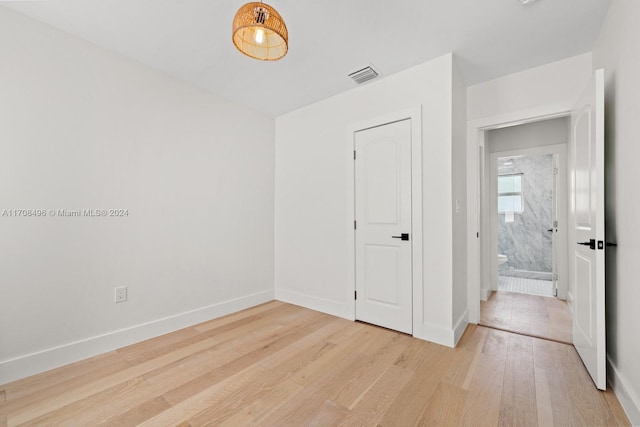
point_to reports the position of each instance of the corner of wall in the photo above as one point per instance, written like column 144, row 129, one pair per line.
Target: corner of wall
column 448, row 337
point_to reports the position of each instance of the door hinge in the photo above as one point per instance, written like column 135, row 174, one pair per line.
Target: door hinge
column 478, row 235
column 354, row 154
column 355, row 294
column 355, row 225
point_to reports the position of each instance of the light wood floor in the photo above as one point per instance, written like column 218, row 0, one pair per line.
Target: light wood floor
column 534, row 315
column 278, row 364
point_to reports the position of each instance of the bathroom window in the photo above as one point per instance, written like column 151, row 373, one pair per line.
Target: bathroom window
column 510, row 193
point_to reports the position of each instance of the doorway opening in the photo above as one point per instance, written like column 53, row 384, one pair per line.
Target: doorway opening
column 526, row 225
column 524, row 219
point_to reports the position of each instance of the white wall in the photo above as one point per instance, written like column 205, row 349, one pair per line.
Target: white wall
column 617, row 52
column 312, row 184
column 542, row 92
column 553, row 86
column 81, row 127
column 459, row 208
column 529, row 135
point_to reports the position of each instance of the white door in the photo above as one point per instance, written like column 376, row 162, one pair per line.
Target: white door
column 383, row 226
column 587, row 252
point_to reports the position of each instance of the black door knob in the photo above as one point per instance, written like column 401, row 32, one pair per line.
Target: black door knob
column 403, row 236
column 591, row 243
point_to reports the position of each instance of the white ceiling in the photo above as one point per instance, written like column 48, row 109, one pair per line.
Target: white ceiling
column 191, row 39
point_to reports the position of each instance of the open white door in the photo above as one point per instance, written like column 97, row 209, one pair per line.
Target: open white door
column 587, row 252
column 383, row 225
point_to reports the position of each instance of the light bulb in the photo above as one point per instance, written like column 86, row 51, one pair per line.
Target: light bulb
column 259, row 36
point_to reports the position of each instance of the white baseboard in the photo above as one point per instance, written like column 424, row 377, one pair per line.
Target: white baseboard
column 435, row 334
column 34, row 363
column 460, row 327
column 627, row 396
column 484, row 294
column 428, row 332
column 334, row 308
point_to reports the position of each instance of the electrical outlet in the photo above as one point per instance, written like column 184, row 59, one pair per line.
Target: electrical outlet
column 120, row 294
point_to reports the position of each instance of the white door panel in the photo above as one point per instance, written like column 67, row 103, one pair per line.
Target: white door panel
column 381, row 269
column 383, row 210
column 587, row 252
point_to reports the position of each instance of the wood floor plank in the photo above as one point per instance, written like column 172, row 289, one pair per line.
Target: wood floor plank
column 49, row 381
column 305, row 350
column 547, row 357
column 356, row 384
column 589, row 403
column 262, row 309
column 260, row 409
column 518, row 405
column 235, row 400
column 148, row 349
column 314, row 394
column 445, row 406
column 183, row 370
column 97, row 408
column 312, row 371
column 543, row 399
column 534, row 315
column 280, row 365
column 410, row 403
column 482, row 407
column 137, row 414
column 328, row 414
column 496, row 342
column 54, row 402
column 617, row 412
column 374, row 404
column 269, row 335
column 463, row 364
column 414, row 355
column 209, row 397
column 61, row 386
column 206, row 380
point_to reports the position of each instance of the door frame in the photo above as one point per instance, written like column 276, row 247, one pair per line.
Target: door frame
column 560, row 249
column 476, row 130
column 415, row 115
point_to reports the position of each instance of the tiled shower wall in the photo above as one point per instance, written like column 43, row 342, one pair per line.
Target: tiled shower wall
column 526, row 241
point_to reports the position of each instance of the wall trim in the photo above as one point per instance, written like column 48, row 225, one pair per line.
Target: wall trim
column 436, row 334
column 460, row 327
column 334, row 308
column 627, row 396
column 55, row 357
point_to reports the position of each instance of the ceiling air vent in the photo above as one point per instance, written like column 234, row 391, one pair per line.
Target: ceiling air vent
column 364, row 75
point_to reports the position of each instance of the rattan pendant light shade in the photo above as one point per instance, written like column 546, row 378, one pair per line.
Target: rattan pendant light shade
column 260, row 32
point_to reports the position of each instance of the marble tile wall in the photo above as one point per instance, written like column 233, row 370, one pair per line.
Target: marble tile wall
column 526, row 241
